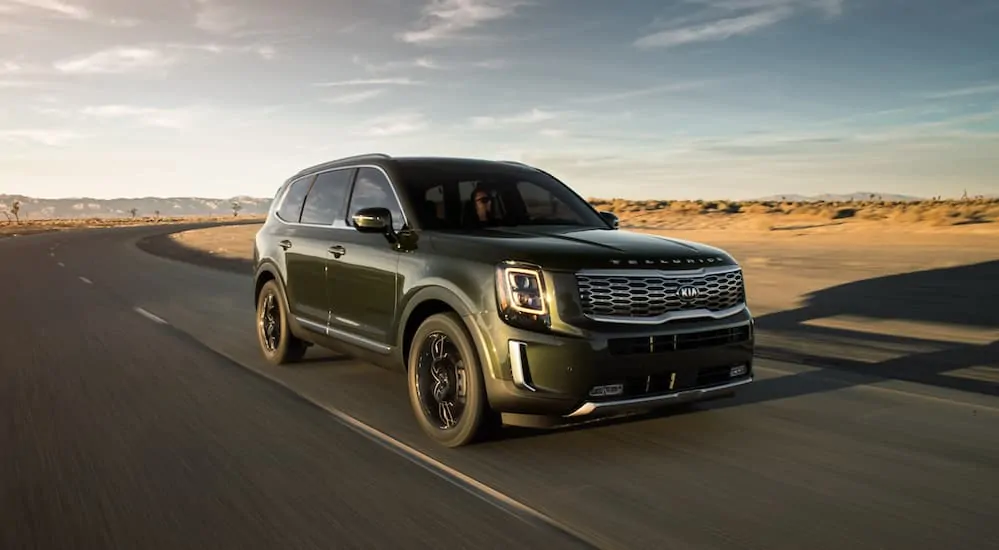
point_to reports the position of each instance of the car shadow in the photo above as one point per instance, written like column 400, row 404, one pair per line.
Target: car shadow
column 963, row 302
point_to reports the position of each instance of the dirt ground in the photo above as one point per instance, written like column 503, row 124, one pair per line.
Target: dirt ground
column 11, row 228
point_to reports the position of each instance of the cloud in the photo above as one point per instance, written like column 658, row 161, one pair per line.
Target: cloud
column 427, row 63
column 52, row 138
column 21, row 84
column 214, row 17
column 371, row 82
column 355, row 97
column 147, row 116
column 56, row 7
column 642, row 92
column 553, row 133
column 530, row 117
column 116, row 61
column 266, row 52
column 981, row 89
column 714, row 30
column 723, row 19
column 443, row 20
column 418, row 63
column 392, row 125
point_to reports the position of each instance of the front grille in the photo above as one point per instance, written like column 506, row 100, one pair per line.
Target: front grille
column 649, row 296
column 661, row 343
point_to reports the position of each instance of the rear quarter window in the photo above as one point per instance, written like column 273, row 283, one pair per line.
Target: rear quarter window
column 290, row 209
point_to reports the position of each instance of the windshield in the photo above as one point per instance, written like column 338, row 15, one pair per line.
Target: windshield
column 466, row 198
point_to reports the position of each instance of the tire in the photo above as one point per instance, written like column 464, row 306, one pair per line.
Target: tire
column 475, row 419
column 288, row 348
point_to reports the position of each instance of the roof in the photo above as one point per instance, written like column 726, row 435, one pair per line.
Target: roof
column 415, row 161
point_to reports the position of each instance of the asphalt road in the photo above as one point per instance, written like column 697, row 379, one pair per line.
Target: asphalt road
column 125, row 429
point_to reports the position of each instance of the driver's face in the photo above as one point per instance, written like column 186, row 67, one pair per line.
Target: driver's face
column 482, row 204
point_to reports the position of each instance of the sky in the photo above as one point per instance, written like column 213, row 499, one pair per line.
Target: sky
column 661, row 99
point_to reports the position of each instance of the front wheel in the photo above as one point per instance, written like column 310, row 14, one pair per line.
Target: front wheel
column 446, row 388
column 277, row 343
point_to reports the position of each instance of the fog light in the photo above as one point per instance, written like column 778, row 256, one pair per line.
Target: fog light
column 604, row 391
column 737, row 371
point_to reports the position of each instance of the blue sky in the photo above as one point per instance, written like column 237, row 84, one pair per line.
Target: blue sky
column 634, row 99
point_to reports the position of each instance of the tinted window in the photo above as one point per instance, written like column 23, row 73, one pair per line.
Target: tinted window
column 291, row 207
column 371, row 189
column 475, row 195
column 325, row 201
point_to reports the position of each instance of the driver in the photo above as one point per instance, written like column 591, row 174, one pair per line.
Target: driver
column 483, row 201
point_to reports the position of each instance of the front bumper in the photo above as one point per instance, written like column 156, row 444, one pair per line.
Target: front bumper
column 613, row 372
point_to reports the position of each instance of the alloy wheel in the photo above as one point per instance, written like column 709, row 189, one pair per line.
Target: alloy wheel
column 441, row 381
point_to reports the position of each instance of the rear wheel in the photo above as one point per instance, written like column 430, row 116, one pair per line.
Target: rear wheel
column 446, row 389
column 277, row 343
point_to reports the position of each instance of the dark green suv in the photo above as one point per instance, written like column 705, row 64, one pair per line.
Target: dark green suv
column 502, row 294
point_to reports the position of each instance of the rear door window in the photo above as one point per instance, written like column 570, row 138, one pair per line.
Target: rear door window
column 326, row 200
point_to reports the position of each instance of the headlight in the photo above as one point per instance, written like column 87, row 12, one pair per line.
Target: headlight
column 521, row 295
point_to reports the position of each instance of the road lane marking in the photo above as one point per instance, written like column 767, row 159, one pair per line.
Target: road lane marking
column 453, row 476
column 86, row 280
column 151, row 316
column 62, row 264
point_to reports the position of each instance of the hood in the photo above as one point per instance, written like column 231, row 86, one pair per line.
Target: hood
column 571, row 249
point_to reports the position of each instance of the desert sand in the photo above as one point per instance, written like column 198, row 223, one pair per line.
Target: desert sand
column 788, row 249
column 11, row 228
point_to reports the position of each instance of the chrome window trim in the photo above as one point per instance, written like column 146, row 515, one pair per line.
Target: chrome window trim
column 338, row 223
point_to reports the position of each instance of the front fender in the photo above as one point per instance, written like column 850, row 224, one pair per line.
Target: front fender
column 444, row 291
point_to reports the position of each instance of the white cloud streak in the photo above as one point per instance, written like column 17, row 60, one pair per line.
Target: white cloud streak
column 148, row 116
column 714, row 30
column 533, row 116
column 673, row 87
column 444, row 20
column 723, row 19
column 56, row 7
column 393, row 125
column 370, row 82
column 117, row 61
column 355, row 97
column 51, row 138
column 982, row 89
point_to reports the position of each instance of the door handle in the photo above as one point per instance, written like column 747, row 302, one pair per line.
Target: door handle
column 337, row 251
column 285, row 244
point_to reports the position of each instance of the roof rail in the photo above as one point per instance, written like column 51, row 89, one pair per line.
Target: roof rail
column 517, row 163
column 340, row 160
column 363, row 156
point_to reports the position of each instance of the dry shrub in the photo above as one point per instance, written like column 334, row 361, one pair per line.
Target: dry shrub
column 843, row 213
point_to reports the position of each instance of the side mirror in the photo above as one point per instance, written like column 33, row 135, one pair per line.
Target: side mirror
column 610, row 218
column 373, row 220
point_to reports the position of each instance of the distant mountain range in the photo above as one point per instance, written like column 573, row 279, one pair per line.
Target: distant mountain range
column 845, row 197
column 34, row 208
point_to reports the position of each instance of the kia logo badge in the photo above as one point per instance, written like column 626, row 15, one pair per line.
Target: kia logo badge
column 687, row 292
